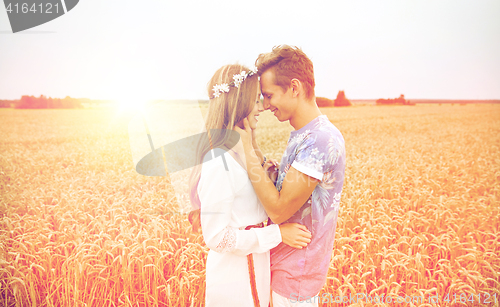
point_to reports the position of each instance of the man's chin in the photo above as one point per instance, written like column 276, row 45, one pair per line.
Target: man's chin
column 280, row 119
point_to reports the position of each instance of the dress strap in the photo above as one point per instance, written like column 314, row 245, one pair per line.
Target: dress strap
column 253, row 285
column 251, row 270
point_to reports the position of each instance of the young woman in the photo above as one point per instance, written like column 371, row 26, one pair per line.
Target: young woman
column 231, row 215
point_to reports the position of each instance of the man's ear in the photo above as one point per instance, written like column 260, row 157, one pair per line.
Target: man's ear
column 296, row 87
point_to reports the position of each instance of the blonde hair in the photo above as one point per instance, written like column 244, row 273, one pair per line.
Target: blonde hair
column 287, row 63
column 224, row 113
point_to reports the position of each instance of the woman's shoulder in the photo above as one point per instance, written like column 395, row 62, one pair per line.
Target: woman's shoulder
column 219, row 159
column 220, row 168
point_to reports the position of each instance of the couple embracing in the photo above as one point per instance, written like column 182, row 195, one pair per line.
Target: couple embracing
column 270, row 227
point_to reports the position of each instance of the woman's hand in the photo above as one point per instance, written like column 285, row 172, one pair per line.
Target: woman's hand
column 245, row 134
column 271, row 167
column 295, row 235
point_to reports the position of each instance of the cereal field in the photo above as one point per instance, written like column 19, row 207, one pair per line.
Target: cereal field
column 420, row 210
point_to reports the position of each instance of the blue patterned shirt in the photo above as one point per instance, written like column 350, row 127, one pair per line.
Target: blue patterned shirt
column 317, row 150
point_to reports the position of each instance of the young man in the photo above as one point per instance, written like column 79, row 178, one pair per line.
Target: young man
column 310, row 178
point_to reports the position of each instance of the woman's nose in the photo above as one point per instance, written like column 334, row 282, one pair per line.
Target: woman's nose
column 265, row 104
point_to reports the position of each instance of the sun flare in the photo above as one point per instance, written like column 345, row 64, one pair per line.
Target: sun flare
column 131, row 104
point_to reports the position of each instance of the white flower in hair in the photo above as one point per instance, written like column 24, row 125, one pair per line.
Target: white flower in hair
column 253, row 69
column 224, row 87
column 216, row 90
column 237, row 80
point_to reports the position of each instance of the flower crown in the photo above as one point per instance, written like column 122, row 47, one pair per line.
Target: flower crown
column 237, row 80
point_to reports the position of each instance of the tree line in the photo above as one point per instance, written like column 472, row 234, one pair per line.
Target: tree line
column 42, row 102
column 340, row 101
column 400, row 100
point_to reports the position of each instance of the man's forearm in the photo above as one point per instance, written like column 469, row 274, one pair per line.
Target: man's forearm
column 263, row 186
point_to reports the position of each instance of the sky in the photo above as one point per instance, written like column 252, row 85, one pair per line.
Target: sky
column 162, row 49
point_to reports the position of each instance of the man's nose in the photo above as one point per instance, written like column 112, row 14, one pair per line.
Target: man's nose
column 266, row 104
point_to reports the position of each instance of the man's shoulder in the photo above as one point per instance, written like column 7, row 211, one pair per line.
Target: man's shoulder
column 329, row 143
column 323, row 125
column 325, row 132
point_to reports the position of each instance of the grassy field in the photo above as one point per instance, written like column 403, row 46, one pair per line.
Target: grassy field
column 420, row 210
